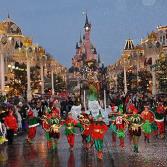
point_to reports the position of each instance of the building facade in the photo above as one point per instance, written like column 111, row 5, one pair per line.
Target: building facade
column 20, row 56
column 139, row 61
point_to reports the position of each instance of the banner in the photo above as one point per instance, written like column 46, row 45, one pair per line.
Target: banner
column 76, row 110
column 94, row 107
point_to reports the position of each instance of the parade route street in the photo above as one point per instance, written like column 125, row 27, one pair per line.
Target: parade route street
column 36, row 155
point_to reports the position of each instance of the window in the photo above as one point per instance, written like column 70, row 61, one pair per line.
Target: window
column 163, row 40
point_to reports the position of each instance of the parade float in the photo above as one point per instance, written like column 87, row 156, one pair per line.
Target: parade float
column 87, row 76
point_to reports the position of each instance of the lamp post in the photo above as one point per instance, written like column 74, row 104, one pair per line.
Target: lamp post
column 2, row 73
column 103, row 71
column 153, row 76
column 116, row 78
column 116, row 82
column 139, row 53
column 42, row 58
column 83, row 72
column 27, row 44
column 52, row 77
column 3, row 44
column 28, row 77
column 125, row 79
column 125, row 58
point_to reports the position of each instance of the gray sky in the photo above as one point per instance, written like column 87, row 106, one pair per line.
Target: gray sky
column 56, row 24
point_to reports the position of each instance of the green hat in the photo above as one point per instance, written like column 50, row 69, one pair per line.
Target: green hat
column 48, row 110
column 90, row 113
column 120, row 108
column 100, row 115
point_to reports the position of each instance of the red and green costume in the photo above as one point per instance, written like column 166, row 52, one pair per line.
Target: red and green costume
column 112, row 116
column 32, row 126
column 159, row 119
column 120, row 126
column 98, row 130
column 51, row 124
column 85, row 121
column 131, row 109
column 70, row 124
column 135, row 123
column 148, row 119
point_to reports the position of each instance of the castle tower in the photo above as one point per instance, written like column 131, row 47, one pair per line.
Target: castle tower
column 87, row 28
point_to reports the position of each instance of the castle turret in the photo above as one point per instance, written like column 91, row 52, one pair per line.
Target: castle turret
column 87, row 28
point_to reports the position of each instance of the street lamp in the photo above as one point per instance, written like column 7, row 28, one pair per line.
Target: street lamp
column 4, row 41
column 116, row 77
column 83, row 82
column 125, row 58
column 27, row 43
column 139, row 53
column 42, row 58
column 103, row 71
column 52, row 76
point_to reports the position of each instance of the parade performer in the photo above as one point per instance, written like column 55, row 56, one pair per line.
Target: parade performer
column 70, row 123
column 98, row 130
column 159, row 119
column 55, row 108
column 148, row 119
column 45, row 125
column 32, row 126
column 18, row 115
column 51, row 123
column 135, row 123
column 11, row 125
column 121, row 124
column 112, row 116
column 131, row 108
column 121, row 108
column 85, row 120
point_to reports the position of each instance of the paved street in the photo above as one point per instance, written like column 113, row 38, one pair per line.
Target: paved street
column 36, row 155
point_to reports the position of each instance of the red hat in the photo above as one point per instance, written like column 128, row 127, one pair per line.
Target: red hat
column 131, row 107
column 135, row 111
column 30, row 113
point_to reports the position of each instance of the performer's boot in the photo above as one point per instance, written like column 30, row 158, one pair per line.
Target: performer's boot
column 122, row 145
column 134, row 148
column 130, row 138
column 49, row 144
column 29, row 141
column 162, row 136
column 54, row 146
column 85, row 145
column 88, row 145
column 137, row 151
column 71, row 147
column 113, row 139
column 100, row 155
column 155, row 133
column 148, row 140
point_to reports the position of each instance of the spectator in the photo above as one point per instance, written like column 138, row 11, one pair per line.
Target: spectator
column 11, row 125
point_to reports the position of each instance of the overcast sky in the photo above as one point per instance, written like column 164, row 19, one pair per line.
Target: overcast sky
column 56, row 24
